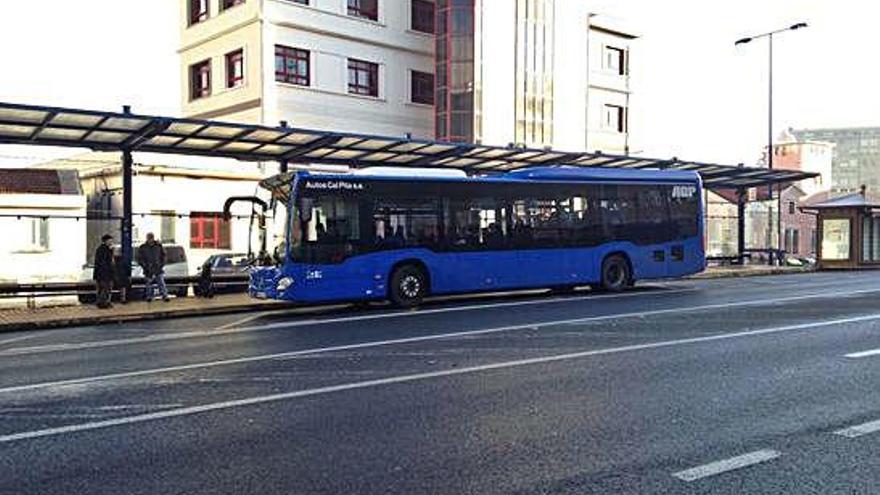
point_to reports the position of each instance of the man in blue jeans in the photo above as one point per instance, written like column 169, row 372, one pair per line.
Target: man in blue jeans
column 151, row 258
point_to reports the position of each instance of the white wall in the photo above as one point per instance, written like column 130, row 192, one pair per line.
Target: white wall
column 497, row 66
column 182, row 195
column 332, row 37
column 62, row 260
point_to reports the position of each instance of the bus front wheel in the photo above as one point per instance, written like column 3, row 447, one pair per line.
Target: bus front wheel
column 409, row 285
column 616, row 274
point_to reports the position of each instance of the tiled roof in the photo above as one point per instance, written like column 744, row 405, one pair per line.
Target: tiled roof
column 35, row 181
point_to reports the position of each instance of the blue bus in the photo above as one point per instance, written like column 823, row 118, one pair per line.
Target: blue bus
column 402, row 236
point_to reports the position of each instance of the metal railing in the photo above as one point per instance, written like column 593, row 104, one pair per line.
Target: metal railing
column 237, row 283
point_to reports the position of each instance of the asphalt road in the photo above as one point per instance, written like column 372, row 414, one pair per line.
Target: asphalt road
column 753, row 385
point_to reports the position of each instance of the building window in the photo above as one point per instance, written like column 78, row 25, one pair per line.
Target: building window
column 365, row 9
column 38, row 235
column 363, row 78
column 422, row 16
column 198, row 11
column 168, row 226
column 235, row 69
column 835, row 239
column 871, row 239
column 615, row 60
column 200, row 80
column 301, row 2
column 422, row 85
column 291, row 65
column 228, row 4
column 208, row 230
column 792, row 241
column 791, row 208
column 614, row 118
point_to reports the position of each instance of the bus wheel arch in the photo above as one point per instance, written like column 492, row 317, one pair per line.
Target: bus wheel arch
column 616, row 272
column 409, row 281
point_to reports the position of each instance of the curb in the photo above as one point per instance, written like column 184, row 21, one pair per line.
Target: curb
column 746, row 273
column 153, row 315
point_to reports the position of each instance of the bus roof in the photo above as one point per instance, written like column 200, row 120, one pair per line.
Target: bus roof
column 280, row 184
column 547, row 173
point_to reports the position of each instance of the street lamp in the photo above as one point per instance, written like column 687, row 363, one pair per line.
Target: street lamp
column 743, row 41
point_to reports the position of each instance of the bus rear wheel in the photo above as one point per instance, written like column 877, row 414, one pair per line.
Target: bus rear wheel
column 409, row 285
column 616, row 275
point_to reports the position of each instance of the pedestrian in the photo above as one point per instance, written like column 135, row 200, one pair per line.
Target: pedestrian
column 103, row 272
column 151, row 258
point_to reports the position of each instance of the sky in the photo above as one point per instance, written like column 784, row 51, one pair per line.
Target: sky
column 696, row 95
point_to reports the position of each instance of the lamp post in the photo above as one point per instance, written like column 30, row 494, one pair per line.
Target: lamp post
column 742, row 41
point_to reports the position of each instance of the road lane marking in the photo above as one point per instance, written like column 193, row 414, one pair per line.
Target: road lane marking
column 315, row 322
column 18, row 339
column 859, row 430
column 467, row 307
column 298, row 323
column 862, row 354
column 219, row 406
column 242, row 321
column 410, row 340
column 725, row 465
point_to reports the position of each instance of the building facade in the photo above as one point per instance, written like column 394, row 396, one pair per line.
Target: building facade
column 525, row 72
column 180, row 204
column 856, row 160
column 42, row 217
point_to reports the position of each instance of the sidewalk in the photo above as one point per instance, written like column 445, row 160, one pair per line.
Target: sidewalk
column 733, row 271
column 66, row 316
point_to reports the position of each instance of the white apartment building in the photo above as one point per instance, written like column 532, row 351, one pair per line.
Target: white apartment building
column 526, row 72
column 323, row 64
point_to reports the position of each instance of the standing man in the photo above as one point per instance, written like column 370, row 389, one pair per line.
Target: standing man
column 104, row 271
column 151, row 258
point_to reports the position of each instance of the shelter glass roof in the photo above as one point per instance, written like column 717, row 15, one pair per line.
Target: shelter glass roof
column 111, row 131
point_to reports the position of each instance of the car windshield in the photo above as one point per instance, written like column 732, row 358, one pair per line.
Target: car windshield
column 174, row 254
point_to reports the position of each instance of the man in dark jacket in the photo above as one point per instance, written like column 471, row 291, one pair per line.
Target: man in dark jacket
column 104, row 271
column 151, row 258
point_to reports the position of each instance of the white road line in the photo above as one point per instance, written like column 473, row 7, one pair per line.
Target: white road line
column 315, row 322
column 241, row 321
column 18, row 339
column 859, row 430
column 723, row 466
column 862, row 354
column 187, row 411
column 409, row 340
column 300, row 323
column 468, row 307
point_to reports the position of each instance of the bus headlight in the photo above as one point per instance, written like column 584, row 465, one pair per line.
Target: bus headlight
column 284, row 284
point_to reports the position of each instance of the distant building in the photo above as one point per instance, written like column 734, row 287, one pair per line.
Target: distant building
column 42, row 218
column 796, row 152
column 179, row 204
column 856, row 159
column 536, row 72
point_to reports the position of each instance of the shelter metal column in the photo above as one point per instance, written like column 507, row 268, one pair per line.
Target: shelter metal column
column 741, row 225
column 126, row 240
column 127, row 165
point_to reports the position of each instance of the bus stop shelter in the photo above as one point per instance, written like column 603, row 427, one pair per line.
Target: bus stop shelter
column 126, row 132
column 848, row 231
